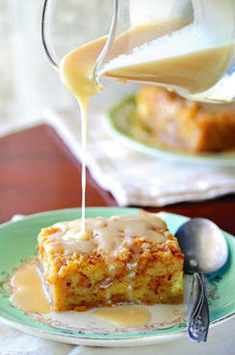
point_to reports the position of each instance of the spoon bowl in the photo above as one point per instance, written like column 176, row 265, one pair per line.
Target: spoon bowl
column 203, row 245
column 205, row 251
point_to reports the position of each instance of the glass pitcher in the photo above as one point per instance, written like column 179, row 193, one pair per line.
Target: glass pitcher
column 184, row 45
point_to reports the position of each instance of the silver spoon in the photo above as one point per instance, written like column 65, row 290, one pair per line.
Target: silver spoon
column 205, row 251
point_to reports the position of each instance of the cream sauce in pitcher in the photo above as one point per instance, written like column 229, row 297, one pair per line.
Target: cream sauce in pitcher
column 190, row 57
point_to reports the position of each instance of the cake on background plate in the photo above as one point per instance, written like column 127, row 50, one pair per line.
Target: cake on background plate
column 184, row 124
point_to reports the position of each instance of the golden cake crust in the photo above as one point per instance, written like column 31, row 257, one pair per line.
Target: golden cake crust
column 138, row 269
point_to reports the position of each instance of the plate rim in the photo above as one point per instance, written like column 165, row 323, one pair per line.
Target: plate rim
column 108, row 342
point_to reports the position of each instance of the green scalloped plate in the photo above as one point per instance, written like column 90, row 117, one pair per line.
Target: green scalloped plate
column 125, row 126
column 18, row 242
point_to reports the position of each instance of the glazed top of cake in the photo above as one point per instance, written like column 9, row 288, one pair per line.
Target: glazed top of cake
column 107, row 235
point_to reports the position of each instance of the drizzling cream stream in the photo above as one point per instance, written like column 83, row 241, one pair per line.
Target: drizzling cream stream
column 76, row 71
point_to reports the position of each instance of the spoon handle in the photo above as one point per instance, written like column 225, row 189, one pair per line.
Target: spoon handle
column 198, row 313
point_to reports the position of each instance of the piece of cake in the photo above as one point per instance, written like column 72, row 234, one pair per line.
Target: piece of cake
column 122, row 259
column 180, row 123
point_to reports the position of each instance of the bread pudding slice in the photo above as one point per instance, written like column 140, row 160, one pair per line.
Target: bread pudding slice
column 123, row 259
column 184, row 124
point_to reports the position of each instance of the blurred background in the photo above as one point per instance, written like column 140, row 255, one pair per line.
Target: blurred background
column 28, row 84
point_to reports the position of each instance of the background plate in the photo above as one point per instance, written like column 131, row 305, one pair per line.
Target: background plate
column 18, row 242
column 125, row 126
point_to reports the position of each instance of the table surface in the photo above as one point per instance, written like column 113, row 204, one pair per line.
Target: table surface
column 39, row 173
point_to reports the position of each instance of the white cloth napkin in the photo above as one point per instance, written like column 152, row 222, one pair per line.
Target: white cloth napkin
column 135, row 178
column 132, row 177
